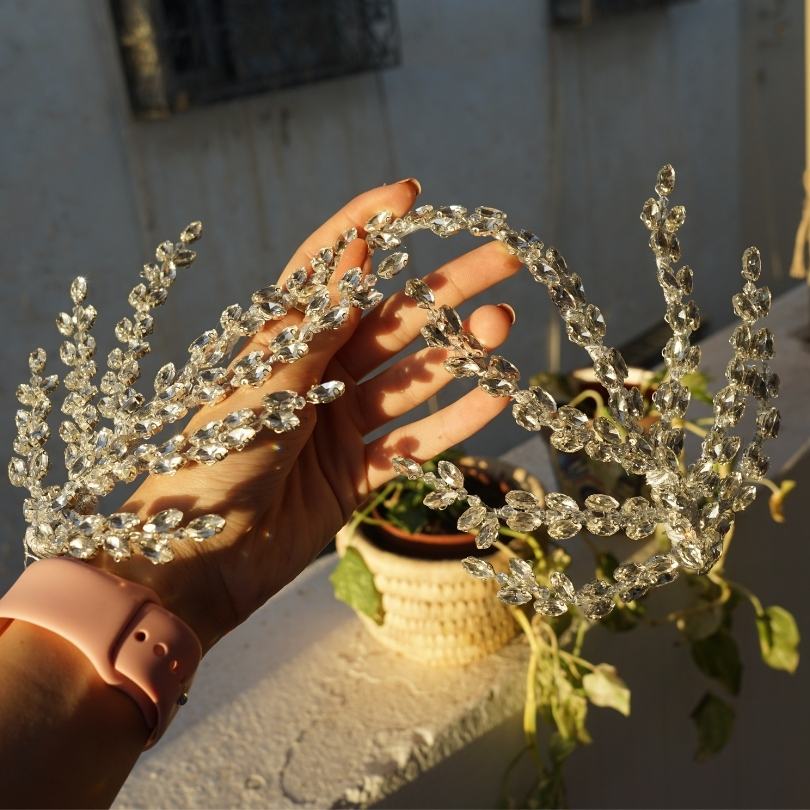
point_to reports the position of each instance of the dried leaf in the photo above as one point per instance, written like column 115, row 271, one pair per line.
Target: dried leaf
column 777, row 500
column 605, row 688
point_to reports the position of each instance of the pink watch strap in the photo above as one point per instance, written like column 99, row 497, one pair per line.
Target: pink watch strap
column 133, row 642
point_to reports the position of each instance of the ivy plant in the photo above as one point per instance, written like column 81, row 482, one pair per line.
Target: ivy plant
column 562, row 683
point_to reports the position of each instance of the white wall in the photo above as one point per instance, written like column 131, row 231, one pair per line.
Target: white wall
column 563, row 129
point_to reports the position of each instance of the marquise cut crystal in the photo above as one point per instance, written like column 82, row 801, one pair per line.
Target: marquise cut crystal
column 111, row 431
column 695, row 534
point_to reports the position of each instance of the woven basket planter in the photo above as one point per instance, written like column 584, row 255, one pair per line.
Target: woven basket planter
column 435, row 612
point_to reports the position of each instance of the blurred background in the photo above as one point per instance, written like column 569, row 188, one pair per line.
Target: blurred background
column 124, row 120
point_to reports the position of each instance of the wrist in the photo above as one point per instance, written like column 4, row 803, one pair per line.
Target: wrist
column 47, row 681
column 185, row 588
column 133, row 642
column 32, row 654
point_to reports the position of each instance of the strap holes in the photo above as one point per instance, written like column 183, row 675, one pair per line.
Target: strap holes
column 174, row 665
column 160, row 650
column 141, row 635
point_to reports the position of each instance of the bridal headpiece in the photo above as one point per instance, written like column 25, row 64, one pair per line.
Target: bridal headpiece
column 110, row 428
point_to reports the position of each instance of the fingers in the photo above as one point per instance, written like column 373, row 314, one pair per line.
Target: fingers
column 397, row 198
column 435, row 433
column 397, row 321
column 328, row 340
column 410, row 382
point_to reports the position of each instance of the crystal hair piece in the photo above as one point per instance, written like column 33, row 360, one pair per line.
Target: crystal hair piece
column 696, row 504
column 110, row 427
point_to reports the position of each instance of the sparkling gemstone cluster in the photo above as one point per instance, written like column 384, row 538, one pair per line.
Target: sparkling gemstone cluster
column 695, row 504
column 110, row 430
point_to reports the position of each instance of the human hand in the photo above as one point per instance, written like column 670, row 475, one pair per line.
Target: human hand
column 285, row 496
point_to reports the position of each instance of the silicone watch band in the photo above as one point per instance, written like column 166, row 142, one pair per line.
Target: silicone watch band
column 133, row 642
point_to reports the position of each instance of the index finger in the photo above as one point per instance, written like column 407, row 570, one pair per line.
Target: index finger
column 396, row 198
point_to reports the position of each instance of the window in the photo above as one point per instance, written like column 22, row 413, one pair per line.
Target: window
column 185, row 53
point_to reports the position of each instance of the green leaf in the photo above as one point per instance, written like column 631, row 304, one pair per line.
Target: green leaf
column 409, row 517
column 714, row 719
column 606, row 564
column 574, row 710
column 778, row 638
column 549, row 791
column 605, row 688
column 559, row 748
column 698, row 383
column 718, row 657
column 353, row 584
column 624, row 617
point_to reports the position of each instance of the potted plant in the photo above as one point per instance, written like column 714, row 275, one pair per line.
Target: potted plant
column 562, row 681
column 400, row 568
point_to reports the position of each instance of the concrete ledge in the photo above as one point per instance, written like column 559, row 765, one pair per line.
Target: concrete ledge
column 299, row 707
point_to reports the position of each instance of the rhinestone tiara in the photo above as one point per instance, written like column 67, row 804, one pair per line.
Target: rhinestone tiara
column 696, row 504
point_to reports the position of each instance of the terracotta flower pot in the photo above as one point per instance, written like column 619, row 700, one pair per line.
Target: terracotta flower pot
column 434, row 611
column 423, row 538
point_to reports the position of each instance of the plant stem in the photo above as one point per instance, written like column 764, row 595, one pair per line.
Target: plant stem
column 718, row 568
column 392, row 501
column 582, row 629
column 557, row 653
column 530, row 704
column 575, row 659
column 588, row 394
column 361, row 515
column 751, row 597
column 530, row 709
column 725, row 595
column 526, row 538
column 551, row 637
column 768, row 483
column 520, row 617
column 505, row 549
column 693, row 428
column 370, row 521
column 507, row 773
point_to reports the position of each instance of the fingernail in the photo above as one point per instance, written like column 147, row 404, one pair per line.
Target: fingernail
column 509, row 311
column 413, row 182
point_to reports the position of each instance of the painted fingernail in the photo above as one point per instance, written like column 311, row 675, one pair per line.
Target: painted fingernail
column 509, row 311
column 413, row 182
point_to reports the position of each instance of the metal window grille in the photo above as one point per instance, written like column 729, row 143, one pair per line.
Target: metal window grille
column 184, row 53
